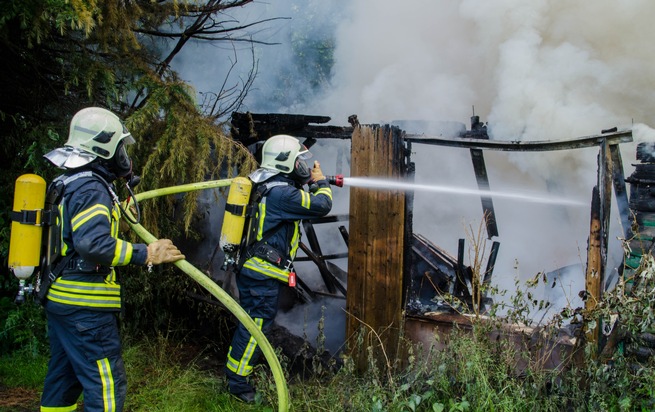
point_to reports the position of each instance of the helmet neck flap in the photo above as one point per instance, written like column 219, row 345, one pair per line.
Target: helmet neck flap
column 95, row 133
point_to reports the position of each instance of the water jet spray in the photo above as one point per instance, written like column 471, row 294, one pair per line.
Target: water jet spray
column 390, row 184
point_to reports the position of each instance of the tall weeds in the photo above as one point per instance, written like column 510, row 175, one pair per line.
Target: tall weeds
column 496, row 364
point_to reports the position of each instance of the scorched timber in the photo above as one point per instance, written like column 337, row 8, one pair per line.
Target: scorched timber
column 525, row 146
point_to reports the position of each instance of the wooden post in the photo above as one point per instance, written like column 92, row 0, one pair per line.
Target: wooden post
column 375, row 255
column 598, row 235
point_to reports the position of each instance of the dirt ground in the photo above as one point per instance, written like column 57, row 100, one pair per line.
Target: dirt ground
column 18, row 400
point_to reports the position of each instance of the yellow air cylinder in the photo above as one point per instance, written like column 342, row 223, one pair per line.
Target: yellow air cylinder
column 235, row 215
column 25, row 240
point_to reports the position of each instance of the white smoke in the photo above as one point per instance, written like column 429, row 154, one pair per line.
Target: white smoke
column 536, row 70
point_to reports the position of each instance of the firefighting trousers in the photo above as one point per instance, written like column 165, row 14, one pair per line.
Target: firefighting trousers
column 85, row 358
column 258, row 296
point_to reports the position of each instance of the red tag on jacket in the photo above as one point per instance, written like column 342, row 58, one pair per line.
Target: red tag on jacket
column 292, row 279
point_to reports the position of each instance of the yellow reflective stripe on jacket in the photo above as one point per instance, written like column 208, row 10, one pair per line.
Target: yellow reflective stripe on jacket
column 305, row 199
column 103, row 287
column 123, row 253
column 295, row 240
column 242, row 367
column 90, row 294
column 107, row 379
column 111, row 278
column 69, row 299
column 60, row 219
column 261, row 218
column 324, row 191
column 85, row 215
column 267, row 269
column 115, row 217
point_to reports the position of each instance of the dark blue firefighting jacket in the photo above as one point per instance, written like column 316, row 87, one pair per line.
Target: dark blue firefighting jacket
column 90, row 229
column 281, row 209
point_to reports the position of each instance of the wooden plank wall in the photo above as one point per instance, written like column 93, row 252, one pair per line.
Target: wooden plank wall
column 375, row 256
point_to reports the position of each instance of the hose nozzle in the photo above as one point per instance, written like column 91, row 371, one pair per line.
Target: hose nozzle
column 335, row 180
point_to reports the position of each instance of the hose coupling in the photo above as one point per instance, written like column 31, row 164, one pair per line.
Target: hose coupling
column 336, row 180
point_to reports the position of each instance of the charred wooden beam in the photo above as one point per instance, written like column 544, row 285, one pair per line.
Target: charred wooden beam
column 620, row 191
column 483, row 184
column 525, row 146
column 327, row 219
column 249, row 128
column 493, row 254
column 433, row 273
column 646, row 152
column 329, row 256
column 344, row 234
column 642, row 205
column 329, row 279
column 312, row 238
column 463, row 276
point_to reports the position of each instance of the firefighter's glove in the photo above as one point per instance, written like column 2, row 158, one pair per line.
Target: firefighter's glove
column 317, row 173
column 163, row 251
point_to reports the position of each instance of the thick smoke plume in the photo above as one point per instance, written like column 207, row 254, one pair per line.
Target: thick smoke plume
column 537, row 70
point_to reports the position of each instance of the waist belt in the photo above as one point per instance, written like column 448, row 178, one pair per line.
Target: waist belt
column 272, row 255
column 84, row 266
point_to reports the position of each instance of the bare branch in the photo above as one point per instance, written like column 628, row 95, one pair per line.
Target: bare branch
column 224, row 101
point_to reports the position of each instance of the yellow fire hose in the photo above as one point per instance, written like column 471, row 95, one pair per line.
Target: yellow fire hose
column 214, row 289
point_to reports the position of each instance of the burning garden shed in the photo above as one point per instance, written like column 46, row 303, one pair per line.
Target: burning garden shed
column 396, row 278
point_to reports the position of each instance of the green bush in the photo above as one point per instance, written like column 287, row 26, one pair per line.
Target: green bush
column 22, row 328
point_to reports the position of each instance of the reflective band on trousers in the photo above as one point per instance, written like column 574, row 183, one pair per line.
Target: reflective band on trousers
column 107, row 378
column 243, row 367
column 71, row 408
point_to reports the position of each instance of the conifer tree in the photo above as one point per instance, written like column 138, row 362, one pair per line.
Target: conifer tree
column 62, row 55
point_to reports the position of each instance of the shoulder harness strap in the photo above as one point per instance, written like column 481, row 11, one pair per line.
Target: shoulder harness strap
column 250, row 244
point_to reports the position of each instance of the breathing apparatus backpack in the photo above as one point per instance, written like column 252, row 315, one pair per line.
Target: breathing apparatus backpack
column 36, row 233
column 240, row 225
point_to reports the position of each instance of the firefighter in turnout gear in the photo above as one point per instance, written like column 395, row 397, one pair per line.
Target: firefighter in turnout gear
column 83, row 303
column 267, row 266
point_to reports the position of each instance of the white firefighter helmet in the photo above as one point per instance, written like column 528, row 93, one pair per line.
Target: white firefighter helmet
column 94, row 132
column 285, row 154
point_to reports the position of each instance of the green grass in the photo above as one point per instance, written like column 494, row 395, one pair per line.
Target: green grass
column 158, row 382
column 473, row 375
column 22, row 369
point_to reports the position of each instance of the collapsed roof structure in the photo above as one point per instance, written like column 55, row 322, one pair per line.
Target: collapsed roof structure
column 397, row 278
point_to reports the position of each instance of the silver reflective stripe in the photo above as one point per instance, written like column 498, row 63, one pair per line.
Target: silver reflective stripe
column 85, row 130
column 108, row 386
column 76, row 176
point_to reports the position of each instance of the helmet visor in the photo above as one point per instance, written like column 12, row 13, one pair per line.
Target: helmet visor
column 304, row 153
column 127, row 137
